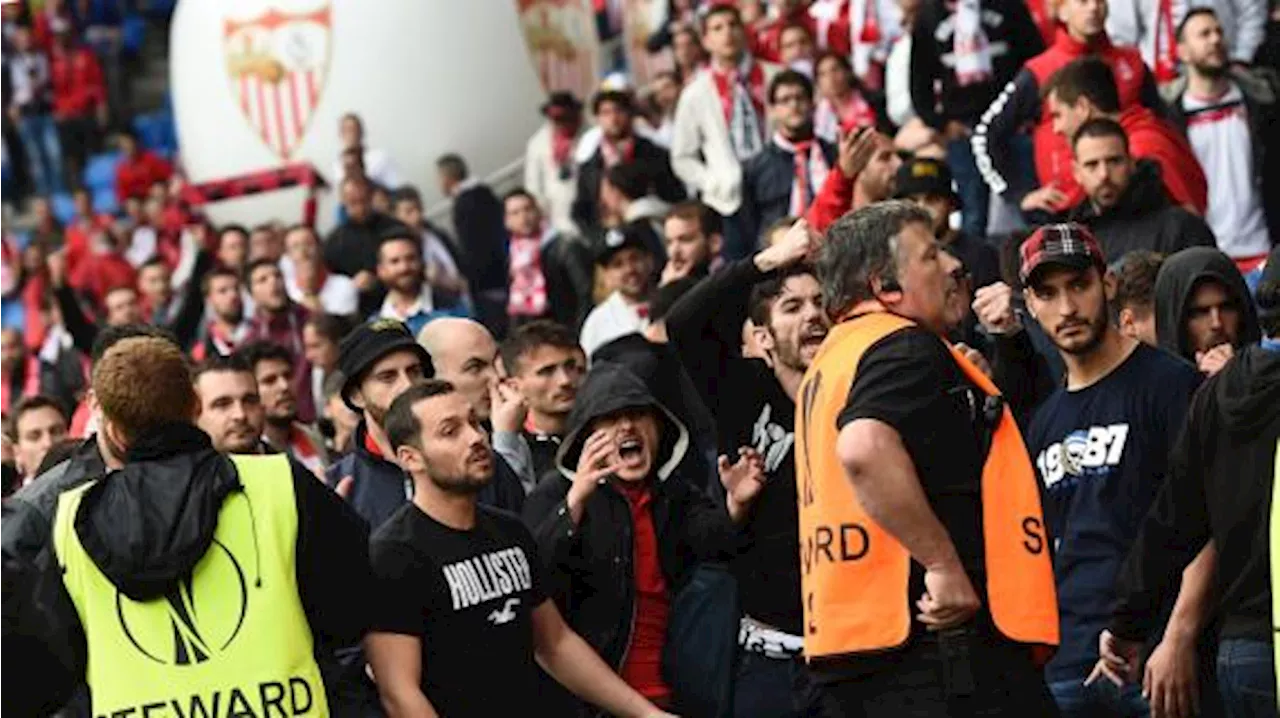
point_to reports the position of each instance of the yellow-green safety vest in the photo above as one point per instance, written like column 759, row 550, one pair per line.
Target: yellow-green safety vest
column 232, row 640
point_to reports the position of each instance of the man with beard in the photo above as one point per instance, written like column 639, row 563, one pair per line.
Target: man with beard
column 783, row 179
column 464, row 354
column 1126, row 204
column 1230, row 115
column 461, row 609
column 865, row 172
column 692, row 237
column 230, row 407
column 277, row 318
column 754, row 402
column 927, row 183
column 1085, row 89
column 545, row 365
column 626, row 260
column 272, row 367
column 1100, row 445
column 410, row 299
column 1204, row 312
column 351, row 248
column 226, row 327
column 550, row 271
column 926, row 577
column 379, row 360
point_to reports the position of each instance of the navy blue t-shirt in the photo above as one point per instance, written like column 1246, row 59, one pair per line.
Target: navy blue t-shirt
column 1100, row 453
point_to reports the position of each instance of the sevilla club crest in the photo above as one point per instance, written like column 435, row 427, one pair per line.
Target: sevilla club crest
column 277, row 62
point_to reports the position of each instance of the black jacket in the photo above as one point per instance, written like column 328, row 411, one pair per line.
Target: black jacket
column 482, row 237
column 1261, row 90
column 935, row 93
column 656, row 161
column 591, row 565
column 1144, row 218
column 1221, row 475
column 352, row 247
column 569, row 271
column 766, row 186
column 1174, row 285
column 145, row 527
column 379, row 487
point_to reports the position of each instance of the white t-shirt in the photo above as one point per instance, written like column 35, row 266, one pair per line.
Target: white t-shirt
column 1219, row 134
column 614, row 317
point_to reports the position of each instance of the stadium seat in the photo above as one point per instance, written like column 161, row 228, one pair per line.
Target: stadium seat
column 100, row 172
column 64, row 208
column 13, row 315
column 21, row 239
column 132, row 31
column 104, row 201
column 156, row 131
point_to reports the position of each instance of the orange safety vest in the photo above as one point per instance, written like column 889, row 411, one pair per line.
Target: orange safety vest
column 854, row 574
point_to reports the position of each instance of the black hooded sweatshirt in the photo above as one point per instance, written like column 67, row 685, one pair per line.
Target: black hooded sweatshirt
column 1176, row 282
column 1144, row 218
column 591, row 565
column 145, row 527
column 1221, row 476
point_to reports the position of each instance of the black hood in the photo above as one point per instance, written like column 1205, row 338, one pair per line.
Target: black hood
column 1248, row 391
column 1144, row 195
column 146, row 525
column 608, row 388
column 1174, row 284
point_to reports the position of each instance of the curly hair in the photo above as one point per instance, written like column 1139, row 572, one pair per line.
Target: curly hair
column 142, row 383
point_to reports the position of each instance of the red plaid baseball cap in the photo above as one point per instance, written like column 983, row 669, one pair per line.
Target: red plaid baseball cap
column 1061, row 245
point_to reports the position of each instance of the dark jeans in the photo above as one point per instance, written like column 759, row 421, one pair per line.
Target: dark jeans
column 1101, row 699
column 1247, row 678
column 774, row 688
column 973, row 190
column 910, row 684
column 44, row 154
column 79, row 138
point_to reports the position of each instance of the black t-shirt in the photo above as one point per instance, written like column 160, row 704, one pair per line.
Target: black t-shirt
column 910, row 381
column 469, row 595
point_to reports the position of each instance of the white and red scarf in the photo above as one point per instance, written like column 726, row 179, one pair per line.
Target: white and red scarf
column 302, row 448
column 972, row 49
column 742, row 101
column 616, row 153
column 527, row 296
column 1164, row 52
column 829, row 120
column 810, row 171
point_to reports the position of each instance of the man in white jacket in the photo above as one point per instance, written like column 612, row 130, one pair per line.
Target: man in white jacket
column 720, row 121
column 1152, row 25
column 550, row 172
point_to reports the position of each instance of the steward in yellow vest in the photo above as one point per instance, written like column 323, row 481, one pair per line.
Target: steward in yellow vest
column 925, row 572
column 185, row 582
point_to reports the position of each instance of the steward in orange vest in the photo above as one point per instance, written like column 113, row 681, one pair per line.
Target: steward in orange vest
column 859, row 582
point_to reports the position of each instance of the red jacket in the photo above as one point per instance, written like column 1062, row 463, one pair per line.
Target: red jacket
column 78, row 87
column 1019, row 105
column 834, row 198
column 98, row 274
column 79, row 239
column 1156, row 139
column 135, row 175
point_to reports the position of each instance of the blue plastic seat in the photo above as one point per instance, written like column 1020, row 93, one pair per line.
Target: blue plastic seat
column 64, row 208
column 105, row 202
column 13, row 315
column 132, row 31
column 100, row 171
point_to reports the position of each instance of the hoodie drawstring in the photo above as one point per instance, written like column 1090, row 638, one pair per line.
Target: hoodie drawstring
column 253, row 529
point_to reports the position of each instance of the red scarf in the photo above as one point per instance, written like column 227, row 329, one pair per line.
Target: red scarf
column 643, row 667
column 618, row 153
column 528, row 293
column 1166, row 63
column 305, row 451
column 562, row 138
column 725, row 82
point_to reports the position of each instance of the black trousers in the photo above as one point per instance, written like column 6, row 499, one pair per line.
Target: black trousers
column 910, row 684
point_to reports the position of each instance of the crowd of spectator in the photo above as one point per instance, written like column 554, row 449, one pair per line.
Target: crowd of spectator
column 1080, row 197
